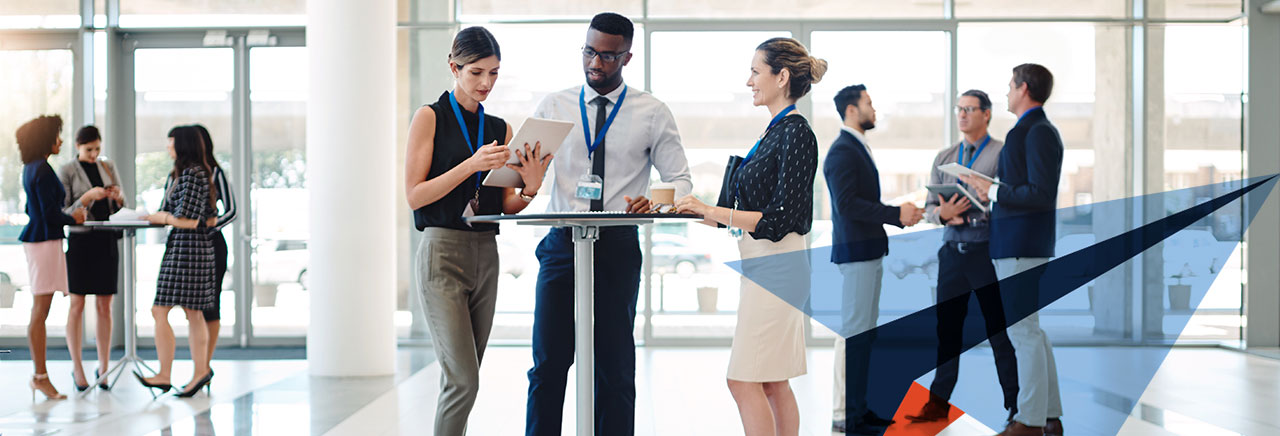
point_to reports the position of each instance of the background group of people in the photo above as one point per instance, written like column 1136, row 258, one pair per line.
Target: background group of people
column 88, row 189
column 767, row 203
column 768, row 196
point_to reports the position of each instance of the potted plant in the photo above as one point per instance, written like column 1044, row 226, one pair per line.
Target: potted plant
column 7, row 291
column 707, row 296
column 1180, row 294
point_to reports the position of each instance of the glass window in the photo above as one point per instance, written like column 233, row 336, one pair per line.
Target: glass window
column 910, row 98
column 237, row 13
column 175, row 87
column 35, row 82
column 1199, row 128
column 694, row 293
column 533, row 67
column 473, row 10
column 39, row 14
column 1042, row 8
column 1194, row 9
column 1089, row 108
column 278, row 79
column 806, row 9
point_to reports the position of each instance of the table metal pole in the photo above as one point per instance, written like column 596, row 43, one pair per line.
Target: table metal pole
column 130, row 359
column 584, row 238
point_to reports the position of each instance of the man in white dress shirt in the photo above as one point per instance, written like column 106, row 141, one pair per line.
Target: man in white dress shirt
column 637, row 133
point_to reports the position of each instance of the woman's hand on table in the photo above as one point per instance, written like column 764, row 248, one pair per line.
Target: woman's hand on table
column 692, row 205
column 161, row 218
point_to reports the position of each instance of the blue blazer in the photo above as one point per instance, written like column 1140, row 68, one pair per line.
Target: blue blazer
column 857, row 215
column 1023, row 219
column 45, row 195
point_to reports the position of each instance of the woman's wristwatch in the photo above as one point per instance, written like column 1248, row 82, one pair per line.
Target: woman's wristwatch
column 527, row 198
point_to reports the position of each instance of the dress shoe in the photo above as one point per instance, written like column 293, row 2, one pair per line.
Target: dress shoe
column 1053, row 427
column 1016, row 428
column 932, row 411
column 871, row 419
column 859, row 428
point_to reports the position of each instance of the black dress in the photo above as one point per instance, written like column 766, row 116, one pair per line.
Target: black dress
column 187, row 269
column 93, row 258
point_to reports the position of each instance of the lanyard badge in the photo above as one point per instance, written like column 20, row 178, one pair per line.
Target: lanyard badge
column 591, row 186
column 473, row 206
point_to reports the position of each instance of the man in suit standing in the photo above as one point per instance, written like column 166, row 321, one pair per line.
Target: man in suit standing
column 964, row 261
column 1022, row 238
column 859, row 245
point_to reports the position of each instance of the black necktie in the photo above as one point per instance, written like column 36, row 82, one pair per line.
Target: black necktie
column 597, row 157
column 968, row 154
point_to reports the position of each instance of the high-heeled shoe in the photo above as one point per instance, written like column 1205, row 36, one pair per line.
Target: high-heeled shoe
column 78, row 387
column 193, row 388
column 102, row 383
column 162, row 387
column 48, row 390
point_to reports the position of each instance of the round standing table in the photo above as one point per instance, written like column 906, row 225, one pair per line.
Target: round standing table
column 586, row 229
column 130, row 359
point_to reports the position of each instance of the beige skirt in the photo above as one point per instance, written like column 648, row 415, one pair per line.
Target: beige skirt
column 768, row 342
column 46, row 267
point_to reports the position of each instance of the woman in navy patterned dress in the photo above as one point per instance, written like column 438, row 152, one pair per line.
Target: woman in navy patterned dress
column 773, row 202
column 187, row 269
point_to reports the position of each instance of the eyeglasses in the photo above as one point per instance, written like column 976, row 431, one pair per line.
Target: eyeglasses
column 968, row 109
column 588, row 53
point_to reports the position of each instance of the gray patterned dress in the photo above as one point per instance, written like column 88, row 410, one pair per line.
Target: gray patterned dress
column 187, row 270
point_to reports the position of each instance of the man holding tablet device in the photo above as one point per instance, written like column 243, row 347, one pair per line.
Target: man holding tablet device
column 964, row 263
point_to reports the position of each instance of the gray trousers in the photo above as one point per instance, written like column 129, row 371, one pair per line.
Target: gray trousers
column 458, row 283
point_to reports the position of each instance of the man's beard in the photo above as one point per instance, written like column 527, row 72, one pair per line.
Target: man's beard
column 867, row 125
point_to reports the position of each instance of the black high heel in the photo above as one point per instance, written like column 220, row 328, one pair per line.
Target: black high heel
column 78, row 387
column 193, row 388
column 165, row 387
column 102, row 384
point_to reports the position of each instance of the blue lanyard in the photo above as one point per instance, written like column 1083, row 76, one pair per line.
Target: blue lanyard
column 457, row 113
column 775, row 120
column 751, row 154
column 974, row 158
column 586, row 134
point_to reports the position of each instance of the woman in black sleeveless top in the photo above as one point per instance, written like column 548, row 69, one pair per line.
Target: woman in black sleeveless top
column 452, row 147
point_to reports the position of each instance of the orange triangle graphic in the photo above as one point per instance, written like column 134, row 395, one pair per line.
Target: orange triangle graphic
column 916, row 397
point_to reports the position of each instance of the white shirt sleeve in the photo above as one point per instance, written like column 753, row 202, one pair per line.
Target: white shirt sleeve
column 667, row 153
column 992, row 191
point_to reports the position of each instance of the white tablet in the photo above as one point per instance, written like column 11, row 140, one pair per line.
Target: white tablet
column 550, row 133
column 957, row 170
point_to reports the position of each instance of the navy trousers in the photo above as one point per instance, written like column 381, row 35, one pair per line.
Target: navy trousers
column 617, row 282
column 958, row 274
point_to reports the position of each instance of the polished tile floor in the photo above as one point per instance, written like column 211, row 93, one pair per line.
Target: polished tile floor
column 680, row 391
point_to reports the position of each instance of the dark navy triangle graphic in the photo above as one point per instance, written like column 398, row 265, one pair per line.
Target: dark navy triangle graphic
column 907, row 348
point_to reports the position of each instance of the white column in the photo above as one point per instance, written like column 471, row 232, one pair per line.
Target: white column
column 350, row 159
column 1262, row 157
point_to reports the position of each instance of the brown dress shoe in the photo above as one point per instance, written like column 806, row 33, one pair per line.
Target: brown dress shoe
column 932, row 411
column 1053, row 427
column 1016, row 428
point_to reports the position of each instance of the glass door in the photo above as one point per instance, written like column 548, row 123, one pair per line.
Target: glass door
column 177, row 86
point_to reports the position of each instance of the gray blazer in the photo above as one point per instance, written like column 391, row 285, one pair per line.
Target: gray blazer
column 77, row 183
